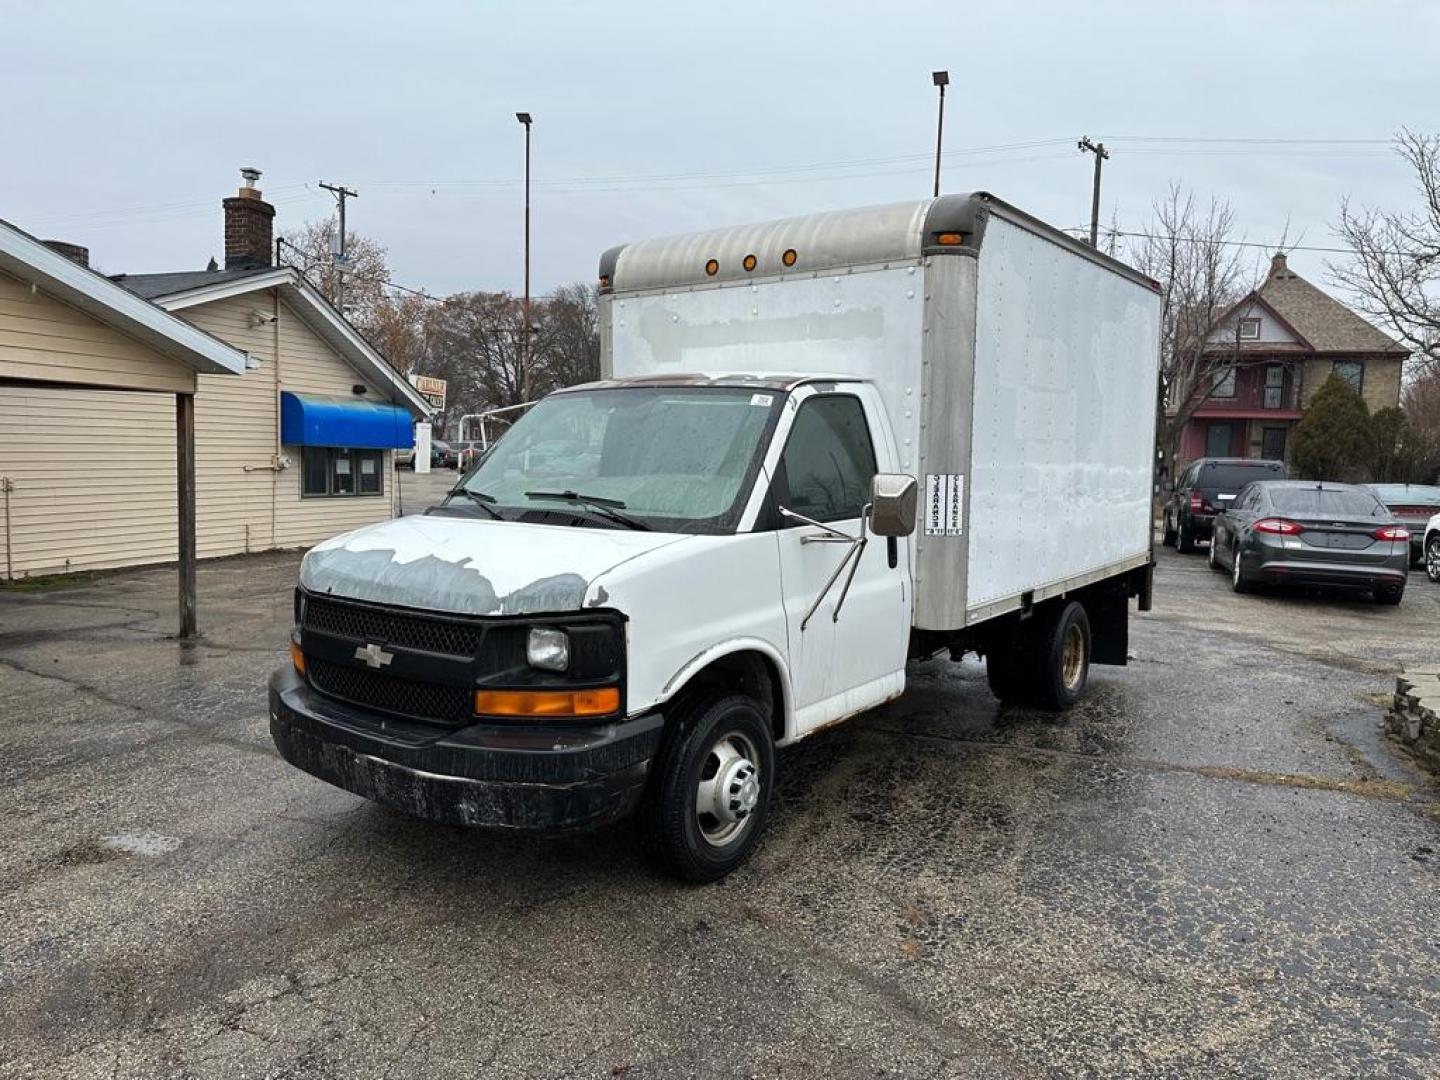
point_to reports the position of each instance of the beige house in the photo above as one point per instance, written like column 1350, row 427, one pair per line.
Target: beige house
column 295, row 447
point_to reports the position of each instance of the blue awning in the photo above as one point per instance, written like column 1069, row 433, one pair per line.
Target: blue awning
column 318, row 420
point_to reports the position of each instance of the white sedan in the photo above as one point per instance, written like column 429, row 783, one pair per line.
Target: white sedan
column 1432, row 548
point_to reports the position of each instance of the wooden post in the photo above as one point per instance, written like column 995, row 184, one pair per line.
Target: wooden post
column 185, row 504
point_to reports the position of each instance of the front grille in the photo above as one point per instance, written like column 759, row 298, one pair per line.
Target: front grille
column 386, row 693
column 362, row 623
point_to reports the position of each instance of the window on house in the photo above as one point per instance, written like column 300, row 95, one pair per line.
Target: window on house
column 329, row 470
column 1352, row 371
column 1224, row 385
column 1250, row 329
column 1274, row 386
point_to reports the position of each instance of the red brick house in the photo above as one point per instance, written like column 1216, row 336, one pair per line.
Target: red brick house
column 1284, row 339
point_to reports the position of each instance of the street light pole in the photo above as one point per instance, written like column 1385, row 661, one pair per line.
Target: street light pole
column 941, row 79
column 524, row 118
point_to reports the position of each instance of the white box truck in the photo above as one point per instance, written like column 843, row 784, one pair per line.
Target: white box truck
column 821, row 447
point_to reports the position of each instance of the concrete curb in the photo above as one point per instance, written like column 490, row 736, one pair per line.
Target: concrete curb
column 1414, row 717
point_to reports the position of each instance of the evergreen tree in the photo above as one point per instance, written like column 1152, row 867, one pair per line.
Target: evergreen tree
column 1390, row 434
column 1334, row 440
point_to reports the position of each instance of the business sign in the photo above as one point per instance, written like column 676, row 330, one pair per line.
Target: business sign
column 431, row 389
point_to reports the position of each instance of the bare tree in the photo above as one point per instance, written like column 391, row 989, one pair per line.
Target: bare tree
column 365, row 269
column 1186, row 249
column 474, row 341
column 567, row 339
column 1420, row 452
column 398, row 327
column 1393, row 272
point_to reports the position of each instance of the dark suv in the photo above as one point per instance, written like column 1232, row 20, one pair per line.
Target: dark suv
column 1205, row 488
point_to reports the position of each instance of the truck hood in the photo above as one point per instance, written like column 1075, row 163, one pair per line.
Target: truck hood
column 472, row 567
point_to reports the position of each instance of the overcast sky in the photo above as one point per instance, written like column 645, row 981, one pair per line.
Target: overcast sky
column 125, row 124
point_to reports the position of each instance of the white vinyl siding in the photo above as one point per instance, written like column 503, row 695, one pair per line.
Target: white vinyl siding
column 94, row 478
column 43, row 339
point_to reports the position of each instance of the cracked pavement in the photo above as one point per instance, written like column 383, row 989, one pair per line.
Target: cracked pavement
column 1215, row 866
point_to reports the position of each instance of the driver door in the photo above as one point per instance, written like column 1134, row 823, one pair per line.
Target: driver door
column 847, row 644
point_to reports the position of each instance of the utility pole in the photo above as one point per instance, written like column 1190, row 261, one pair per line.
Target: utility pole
column 1101, row 154
column 941, row 79
column 337, row 251
column 525, row 118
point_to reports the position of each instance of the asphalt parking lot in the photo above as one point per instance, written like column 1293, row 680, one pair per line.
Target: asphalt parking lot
column 1215, row 866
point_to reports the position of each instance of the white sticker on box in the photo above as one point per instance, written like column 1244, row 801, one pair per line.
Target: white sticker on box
column 944, row 504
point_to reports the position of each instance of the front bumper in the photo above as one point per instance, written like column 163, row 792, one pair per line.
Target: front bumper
column 507, row 776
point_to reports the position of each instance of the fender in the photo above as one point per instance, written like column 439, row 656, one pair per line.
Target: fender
column 722, row 649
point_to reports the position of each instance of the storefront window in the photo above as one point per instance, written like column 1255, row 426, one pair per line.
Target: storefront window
column 335, row 471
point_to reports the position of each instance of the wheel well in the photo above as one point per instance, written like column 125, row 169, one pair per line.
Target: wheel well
column 749, row 671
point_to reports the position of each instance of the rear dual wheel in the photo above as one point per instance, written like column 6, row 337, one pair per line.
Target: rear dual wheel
column 1047, row 664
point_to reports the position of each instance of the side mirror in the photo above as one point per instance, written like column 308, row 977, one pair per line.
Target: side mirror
column 893, row 497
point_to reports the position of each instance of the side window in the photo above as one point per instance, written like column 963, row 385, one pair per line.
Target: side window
column 829, row 461
column 326, row 470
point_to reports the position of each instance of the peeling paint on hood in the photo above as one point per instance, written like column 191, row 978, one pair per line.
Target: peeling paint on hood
column 472, row 567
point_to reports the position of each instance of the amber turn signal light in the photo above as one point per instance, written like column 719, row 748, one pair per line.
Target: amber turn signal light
column 544, row 704
column 950, row 239
column 297, row 657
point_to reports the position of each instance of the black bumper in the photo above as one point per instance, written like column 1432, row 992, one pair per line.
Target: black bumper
column 547, row 778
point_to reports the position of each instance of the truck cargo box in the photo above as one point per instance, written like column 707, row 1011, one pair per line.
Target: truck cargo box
column 1018, row 367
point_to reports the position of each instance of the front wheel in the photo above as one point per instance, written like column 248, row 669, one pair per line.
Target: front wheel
column 1167, row 534
column 710, row 785
column 1432, row 557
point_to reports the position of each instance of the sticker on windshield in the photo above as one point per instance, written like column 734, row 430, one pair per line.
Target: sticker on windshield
column 763, row 400
column 944, row 504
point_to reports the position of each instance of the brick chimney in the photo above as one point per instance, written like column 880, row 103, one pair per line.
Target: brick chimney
column 1278, row 266
column 249, row 226
column 73, row 252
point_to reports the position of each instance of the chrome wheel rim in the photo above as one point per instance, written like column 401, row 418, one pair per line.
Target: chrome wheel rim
column 1214, row 563
column 1432, row 558
column 729, row 789
column 1235, row 569
column 1072, row 656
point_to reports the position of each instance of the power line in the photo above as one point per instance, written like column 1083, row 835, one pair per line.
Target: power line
column 1232, row 243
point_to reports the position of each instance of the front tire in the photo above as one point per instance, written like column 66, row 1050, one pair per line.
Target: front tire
column 1432, row 557
column 710, row 787
column 1167, row 534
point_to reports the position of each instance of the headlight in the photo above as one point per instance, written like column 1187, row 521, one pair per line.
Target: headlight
column 548, row 649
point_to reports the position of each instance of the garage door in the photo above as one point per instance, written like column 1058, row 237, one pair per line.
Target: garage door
column 92, row 478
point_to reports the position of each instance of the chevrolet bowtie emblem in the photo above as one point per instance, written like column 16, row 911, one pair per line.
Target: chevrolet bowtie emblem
column 373, row 655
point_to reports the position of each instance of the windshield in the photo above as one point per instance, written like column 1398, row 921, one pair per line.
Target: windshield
column 1331, row 502
column 677, row 459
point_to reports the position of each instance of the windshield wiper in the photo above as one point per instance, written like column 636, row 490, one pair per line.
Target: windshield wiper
column 480, row 499
column 606, row 508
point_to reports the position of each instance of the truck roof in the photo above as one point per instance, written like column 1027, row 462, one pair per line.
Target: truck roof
column 816, row 243
column 739, row 380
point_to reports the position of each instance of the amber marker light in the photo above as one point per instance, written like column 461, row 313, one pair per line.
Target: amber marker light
column 750, row 262
column 712, row 267
column 950, row 239
column 297, row 657
column 789, row 257
column 548, row 704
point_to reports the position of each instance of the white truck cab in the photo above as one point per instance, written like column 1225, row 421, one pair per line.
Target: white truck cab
column 823, row 447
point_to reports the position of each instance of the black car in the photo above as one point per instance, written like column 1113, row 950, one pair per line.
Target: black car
column 1300, row 532
column 1204, row 489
